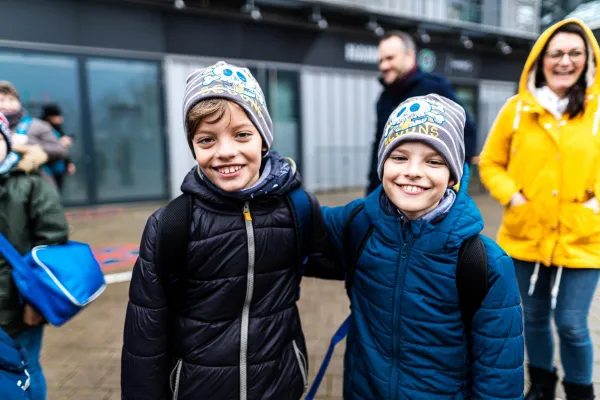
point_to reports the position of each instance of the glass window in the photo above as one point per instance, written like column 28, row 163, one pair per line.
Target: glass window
column 283, row 105
column 127, row 130
column 465, row 10
column 42, row 79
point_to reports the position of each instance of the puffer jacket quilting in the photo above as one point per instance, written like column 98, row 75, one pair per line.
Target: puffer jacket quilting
column 206, row 333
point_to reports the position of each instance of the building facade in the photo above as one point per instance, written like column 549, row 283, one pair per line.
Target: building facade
column 118, row 70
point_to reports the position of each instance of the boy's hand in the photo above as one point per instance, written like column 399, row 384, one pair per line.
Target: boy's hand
column 517, row 200
column 66, row 141
column 31, row 317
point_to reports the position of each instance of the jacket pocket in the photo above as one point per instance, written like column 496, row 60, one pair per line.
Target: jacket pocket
column 174, row 379
column 521, row 222
column 579, row 222
column 302, row 364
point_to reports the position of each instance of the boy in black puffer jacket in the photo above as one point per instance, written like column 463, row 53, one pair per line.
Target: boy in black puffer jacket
column 236, row 332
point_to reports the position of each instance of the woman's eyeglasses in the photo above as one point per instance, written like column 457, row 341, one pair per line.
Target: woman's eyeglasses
column 557, row 55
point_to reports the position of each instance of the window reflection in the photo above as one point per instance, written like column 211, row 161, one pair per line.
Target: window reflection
column 42, row 79
column 127, row 131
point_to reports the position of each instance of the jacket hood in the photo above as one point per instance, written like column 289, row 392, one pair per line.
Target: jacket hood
column 462, row 221
column 527, row 81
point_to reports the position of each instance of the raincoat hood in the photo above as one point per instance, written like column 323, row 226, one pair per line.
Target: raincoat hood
column 527, row 81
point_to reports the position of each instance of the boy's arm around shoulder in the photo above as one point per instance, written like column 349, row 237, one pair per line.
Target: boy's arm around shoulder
column 331, row 223
column 497, row 342
column 145, row 358
column 46, row 214
column 323, row 261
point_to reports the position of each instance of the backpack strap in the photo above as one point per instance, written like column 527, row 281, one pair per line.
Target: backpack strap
column 23, row 126
column 301, row 206
column 172, row 241
column 357, row 231
column 471, row 278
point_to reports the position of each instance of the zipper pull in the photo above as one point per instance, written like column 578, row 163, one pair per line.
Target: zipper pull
column 247, row 215
column 404, row 254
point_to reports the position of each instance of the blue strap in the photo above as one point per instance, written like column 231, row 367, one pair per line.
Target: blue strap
column 9, row 161
column 23, row 125
column 339, row 335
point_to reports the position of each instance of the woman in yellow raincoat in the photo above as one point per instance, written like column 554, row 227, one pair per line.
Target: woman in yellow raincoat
column 542, row 162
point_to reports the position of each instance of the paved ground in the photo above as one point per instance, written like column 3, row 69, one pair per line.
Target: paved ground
column 82, row 358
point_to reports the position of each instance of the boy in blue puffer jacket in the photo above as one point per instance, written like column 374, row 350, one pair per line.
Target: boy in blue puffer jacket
column 406, row 338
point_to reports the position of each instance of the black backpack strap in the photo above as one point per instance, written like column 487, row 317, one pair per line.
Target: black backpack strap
column 172, row 241
column 471, row 278
column 301, row 205
column 357, row 231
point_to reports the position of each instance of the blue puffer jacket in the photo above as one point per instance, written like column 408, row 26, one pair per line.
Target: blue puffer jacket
column 407, row 339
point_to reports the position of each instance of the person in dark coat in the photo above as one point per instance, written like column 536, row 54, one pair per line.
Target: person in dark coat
column 401, row 79
column 52, row 114
column 236, row 333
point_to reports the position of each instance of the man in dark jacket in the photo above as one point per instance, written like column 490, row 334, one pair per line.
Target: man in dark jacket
column 52, row 114
column 401, row 79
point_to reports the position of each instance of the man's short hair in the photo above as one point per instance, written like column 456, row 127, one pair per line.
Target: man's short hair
column 407, row 39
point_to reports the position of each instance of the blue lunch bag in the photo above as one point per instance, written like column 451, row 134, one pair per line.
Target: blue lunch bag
column 57, row 280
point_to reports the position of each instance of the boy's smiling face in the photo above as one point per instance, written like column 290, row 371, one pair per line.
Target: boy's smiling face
column 415, row 178
column 229, row 150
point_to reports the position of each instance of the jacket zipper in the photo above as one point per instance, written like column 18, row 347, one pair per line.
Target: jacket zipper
column 247, row 302
column 400, row 278
column 177, row 373
column 302, row 364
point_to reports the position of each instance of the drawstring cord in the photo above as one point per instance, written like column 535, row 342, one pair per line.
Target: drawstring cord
column 555, row 288
column 534, row 278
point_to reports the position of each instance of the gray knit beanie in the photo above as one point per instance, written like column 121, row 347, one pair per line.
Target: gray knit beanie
column 432, row 119
column 226, row 81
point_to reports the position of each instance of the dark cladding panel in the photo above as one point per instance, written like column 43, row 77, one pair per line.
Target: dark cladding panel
column 185, row 34
column 502, row 68
column 55, row 22
column 121, row 27
column 275, row 43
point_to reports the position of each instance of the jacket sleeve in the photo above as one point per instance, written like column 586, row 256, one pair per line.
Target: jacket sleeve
column 42, row 133
column 145, row 360
column 497, row 343
column 495, row 156
column 323, row 261
column 335, row 220
column 46, row 214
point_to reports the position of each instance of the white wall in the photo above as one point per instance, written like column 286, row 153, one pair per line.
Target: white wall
column 492, row 96
column 338, row 127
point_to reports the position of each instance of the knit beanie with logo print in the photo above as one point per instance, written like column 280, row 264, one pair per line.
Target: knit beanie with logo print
column 432, row 119
column 227, row 81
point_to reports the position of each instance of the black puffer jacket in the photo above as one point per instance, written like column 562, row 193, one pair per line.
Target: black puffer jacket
column 210, row 342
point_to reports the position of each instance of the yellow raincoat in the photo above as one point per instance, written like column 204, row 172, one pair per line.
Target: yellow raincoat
column 555, row 164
